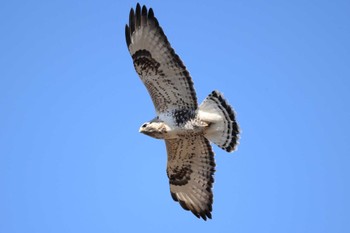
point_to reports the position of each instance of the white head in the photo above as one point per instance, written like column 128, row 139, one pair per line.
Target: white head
column 156, row 129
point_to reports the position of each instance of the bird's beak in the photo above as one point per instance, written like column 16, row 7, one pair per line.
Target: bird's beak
column 142, row 129
column 145, row 132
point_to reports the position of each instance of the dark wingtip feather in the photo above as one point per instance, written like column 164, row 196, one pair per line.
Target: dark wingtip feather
column 144, row 15
column 183, row 205
column 138, row 15
column 132, row 20
column 144, row 10
column 173, row 195
column 150, row 13
column 127, row 35
column 203, row 215
column 208, row 215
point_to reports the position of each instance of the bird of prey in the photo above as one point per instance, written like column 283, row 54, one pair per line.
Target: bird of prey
column 186, row 127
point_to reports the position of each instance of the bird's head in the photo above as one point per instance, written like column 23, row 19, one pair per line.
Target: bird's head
column 155, row 129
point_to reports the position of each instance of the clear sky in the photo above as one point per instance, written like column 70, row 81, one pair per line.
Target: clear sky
column 71, row 157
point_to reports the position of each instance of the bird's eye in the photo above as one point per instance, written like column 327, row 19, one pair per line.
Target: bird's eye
column 144, row 125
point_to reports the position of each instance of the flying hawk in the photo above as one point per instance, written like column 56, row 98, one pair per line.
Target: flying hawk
column 186, row 127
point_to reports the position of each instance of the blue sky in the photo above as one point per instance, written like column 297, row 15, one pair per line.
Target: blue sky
column 71, row 157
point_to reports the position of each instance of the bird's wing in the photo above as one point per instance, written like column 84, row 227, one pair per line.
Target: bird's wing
column 159, row 67
column 190, row 169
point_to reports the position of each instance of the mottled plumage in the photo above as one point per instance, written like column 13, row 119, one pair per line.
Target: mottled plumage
column 186, row 127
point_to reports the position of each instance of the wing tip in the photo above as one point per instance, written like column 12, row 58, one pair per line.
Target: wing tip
column 204, row 214
column 138, row 17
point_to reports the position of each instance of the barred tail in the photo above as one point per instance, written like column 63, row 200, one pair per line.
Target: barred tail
column 223, row 129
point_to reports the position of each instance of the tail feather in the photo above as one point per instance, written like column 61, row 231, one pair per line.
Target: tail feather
column 223, row 129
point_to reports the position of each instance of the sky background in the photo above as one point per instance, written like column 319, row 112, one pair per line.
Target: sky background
column 71, row 104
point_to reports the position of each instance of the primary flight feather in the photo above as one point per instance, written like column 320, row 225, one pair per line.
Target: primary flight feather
column 186, row 127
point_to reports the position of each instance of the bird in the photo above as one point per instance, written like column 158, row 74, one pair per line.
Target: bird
column 187, row 128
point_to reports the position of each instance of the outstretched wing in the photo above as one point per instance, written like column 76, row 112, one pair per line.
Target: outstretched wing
column 159, row 67
column 190, row 169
